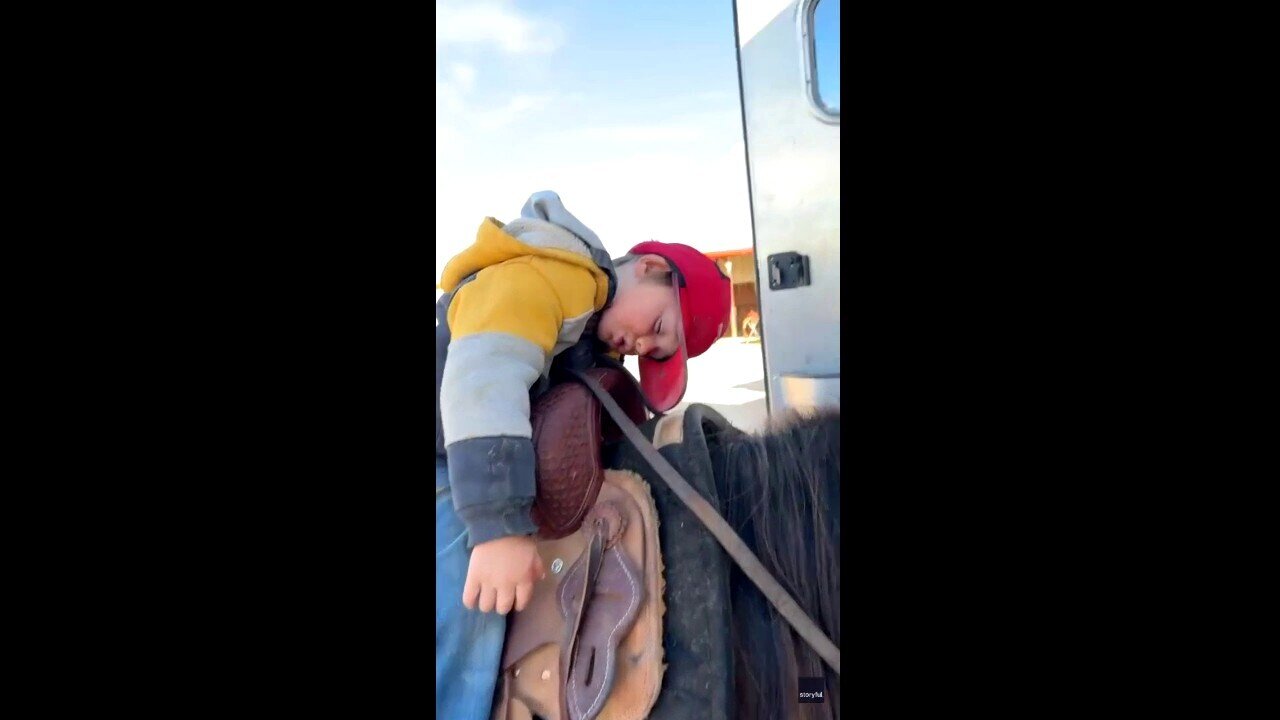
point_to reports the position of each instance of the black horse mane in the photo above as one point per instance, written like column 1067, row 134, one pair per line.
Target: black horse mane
column 780, row 491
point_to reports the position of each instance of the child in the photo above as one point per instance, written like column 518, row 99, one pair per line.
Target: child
column 537, row 292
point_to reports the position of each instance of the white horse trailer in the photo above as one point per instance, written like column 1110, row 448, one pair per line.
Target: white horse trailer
column 788, row 68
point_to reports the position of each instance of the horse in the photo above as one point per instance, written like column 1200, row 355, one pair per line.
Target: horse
column 730, row 654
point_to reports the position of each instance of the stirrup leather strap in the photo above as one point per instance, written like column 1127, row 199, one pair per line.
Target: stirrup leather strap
column 573, row 624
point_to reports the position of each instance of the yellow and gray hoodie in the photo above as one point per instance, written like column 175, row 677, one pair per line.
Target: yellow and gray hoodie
column 517, row 298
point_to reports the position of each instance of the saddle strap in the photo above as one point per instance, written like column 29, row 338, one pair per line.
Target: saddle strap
column 720, row 529
column 573, row 623
column 607, row 361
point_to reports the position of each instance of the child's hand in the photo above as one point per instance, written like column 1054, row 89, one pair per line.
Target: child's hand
column 502, row 573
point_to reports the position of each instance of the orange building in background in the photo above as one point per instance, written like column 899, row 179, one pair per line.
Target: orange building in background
column 740, row 267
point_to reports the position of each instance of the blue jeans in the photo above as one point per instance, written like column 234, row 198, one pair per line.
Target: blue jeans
column 468, row 642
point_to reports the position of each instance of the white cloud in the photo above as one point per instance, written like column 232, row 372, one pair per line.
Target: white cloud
column 465, row 114
column 673, row 132
column 515, row 108
column 464, row 76
column 447, row 137
column 448, row 98
column 495, row 22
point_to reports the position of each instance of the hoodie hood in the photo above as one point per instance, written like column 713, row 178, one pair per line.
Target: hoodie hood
column 545, row 228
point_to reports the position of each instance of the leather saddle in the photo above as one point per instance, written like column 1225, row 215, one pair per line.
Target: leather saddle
column 589, row 643
column 569, row 431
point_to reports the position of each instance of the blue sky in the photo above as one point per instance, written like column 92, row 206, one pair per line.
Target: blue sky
column 629, row 110
column 826, row 20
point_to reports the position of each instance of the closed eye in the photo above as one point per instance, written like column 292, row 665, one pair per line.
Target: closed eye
column 657, row 330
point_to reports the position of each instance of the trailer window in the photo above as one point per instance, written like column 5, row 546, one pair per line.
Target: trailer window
column 826, row 53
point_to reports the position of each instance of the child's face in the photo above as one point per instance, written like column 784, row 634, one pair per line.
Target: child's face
column 644, row 318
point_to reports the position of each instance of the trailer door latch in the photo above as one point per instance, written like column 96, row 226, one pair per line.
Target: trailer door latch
column 788, row 270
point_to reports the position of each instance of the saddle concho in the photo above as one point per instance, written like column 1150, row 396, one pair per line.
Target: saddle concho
column 575, row 655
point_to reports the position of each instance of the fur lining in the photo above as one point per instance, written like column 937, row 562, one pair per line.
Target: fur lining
column 543, row 234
